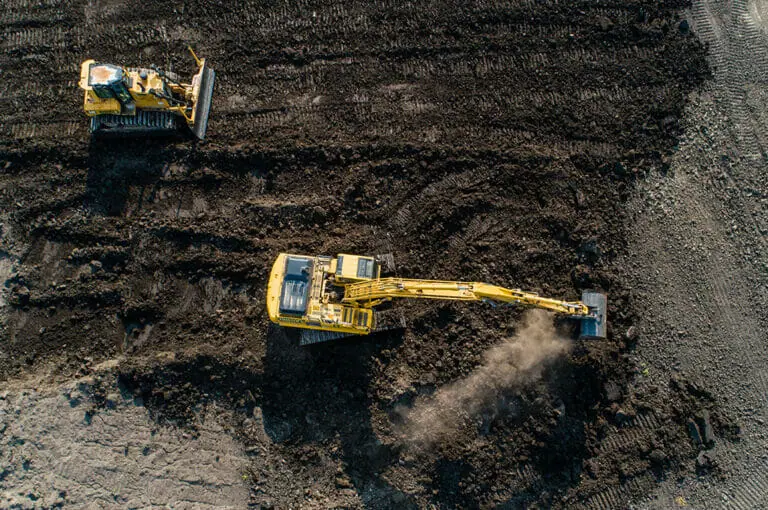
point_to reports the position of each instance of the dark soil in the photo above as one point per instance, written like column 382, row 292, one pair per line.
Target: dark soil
column 486, row 142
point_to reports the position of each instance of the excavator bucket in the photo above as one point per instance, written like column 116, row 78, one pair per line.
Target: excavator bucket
column 203, row 87
column 595, row 325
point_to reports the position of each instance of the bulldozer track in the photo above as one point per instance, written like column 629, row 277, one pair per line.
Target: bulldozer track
column 59, row 38
column 37, row 38
column 39, row 91
column 405, row 214
column 29, row 130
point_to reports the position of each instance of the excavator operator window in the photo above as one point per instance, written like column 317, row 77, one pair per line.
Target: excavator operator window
column 365, row 267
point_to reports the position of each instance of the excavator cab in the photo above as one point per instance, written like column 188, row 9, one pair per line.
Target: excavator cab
column 294, row 292
column 356, row 268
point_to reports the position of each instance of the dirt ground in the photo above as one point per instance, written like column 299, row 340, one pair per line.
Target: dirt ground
column 511, row 142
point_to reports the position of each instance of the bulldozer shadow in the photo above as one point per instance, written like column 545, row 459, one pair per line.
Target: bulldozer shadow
column 115, row 166
column 318, row 395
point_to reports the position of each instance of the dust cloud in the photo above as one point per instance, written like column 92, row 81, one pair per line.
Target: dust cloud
column 506, row 367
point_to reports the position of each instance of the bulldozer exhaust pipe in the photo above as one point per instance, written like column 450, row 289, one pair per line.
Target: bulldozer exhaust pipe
column 595, row 325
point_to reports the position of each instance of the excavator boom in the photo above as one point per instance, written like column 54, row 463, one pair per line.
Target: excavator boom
column 370, row 293
column 332, row 297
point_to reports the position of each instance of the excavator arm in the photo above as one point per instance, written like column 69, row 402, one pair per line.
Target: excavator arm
column 371, row 293
column 331, row 297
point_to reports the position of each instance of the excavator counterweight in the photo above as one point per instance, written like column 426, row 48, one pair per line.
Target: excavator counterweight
column 139, row 101
column 334, row 297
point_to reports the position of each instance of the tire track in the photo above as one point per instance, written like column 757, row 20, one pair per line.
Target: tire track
column 723, row 162
column 751, row 492
column 641, row 427
column 615, row 498
column 739, row 53
column 735, row 319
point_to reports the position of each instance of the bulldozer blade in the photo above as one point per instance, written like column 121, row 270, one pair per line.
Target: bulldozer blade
column 595, row 325
column 203, row 104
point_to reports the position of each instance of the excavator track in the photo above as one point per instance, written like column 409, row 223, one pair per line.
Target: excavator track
column 385, row 321
column 316, row 336
column 149, row 123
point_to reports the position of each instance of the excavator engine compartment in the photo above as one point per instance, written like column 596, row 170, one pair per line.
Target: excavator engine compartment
column 336, row 297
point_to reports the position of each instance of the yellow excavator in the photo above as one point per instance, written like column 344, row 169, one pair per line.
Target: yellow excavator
column 141, row 101
column 331, row 298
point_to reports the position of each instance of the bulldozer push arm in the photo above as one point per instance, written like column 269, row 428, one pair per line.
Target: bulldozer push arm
column 338, row 296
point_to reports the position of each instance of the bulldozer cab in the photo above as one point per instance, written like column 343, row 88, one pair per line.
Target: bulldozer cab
column 138, row 101
column 108, row 82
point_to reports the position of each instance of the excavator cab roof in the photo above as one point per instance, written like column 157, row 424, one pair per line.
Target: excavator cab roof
column 296, row 283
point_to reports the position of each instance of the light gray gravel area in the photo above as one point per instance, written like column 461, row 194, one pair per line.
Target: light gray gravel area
column 698, row 253
column 58, row 451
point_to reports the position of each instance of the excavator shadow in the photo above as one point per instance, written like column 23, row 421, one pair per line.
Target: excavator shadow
column 319, row 395
column 115, row 165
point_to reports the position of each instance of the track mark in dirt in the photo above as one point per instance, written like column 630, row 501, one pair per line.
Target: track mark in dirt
column 615, row 498
column 751, row 492
column 639, row 428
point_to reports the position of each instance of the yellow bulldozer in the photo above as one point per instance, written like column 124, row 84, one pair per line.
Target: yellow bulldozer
column 127, row 101
column 331, row 298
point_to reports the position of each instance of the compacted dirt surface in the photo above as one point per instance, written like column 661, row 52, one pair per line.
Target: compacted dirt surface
column 520, row 143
